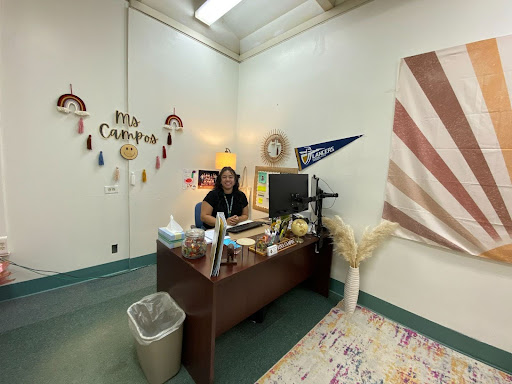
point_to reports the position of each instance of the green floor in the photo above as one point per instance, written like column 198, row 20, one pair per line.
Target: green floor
column 80, row 334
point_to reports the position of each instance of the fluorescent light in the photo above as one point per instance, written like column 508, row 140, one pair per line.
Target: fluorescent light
column 213, row 10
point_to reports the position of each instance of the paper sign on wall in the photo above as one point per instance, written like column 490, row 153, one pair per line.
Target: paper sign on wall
column 189, row 180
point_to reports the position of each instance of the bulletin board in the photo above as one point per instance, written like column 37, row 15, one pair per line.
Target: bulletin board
column 261, row 188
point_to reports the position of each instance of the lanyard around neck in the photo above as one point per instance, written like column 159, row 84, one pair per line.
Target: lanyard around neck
column 229, row 206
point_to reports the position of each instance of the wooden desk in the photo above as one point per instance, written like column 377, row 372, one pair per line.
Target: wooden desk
column 215, row 304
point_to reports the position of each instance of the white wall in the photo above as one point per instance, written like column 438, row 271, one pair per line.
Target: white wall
column 338, row 80
column 57, row 215
column 55, row 212
column 3, row 213
column 169, row 70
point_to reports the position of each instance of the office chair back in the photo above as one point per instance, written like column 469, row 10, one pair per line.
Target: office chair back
column 197, row 215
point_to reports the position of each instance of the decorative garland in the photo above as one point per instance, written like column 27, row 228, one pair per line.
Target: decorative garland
column 69, row 102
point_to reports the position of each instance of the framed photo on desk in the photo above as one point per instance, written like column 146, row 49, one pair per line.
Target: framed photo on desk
column 261, row 187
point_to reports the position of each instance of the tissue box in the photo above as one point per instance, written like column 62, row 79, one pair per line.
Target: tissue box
column 170, row 239
column 170, row 244
column 171, row 236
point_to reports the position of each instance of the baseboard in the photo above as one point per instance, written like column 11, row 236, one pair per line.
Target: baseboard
column 486, row 353
column 30, row 287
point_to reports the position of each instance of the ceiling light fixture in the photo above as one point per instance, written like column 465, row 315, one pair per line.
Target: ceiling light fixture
column 213, row 10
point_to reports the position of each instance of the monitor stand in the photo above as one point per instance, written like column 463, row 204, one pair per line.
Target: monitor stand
column 320, row 232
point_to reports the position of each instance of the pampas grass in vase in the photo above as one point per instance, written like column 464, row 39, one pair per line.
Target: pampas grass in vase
column 345, row 246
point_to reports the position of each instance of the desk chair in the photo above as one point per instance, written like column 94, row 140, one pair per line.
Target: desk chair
column 197, row 215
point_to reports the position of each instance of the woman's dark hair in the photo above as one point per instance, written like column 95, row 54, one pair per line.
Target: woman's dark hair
column 218, row 184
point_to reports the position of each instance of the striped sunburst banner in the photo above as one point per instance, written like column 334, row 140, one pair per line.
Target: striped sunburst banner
column 450, row 169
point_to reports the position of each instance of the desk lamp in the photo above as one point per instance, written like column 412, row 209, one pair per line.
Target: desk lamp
column 225, row 159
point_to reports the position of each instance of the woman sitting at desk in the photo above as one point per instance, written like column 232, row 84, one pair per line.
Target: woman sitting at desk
column 225, row 197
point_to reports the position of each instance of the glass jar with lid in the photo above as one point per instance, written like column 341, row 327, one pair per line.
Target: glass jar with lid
column 194, row 244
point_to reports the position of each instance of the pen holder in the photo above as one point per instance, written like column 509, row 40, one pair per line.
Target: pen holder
column 262, row 244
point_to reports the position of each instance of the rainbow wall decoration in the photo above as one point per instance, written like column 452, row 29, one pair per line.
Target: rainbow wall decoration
column 173, row 122
column 69, row 102
column 450, row 170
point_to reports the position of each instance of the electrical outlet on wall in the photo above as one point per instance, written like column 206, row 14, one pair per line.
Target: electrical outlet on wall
column 109, row 189
column 3, row 245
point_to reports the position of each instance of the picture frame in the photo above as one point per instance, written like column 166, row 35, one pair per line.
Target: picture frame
column 275, row 148
column 261, row 189
column 206, row 179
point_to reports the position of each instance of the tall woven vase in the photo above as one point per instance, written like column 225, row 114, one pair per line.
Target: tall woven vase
column 351, row 292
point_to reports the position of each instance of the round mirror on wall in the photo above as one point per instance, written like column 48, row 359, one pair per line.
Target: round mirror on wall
column 275, row 147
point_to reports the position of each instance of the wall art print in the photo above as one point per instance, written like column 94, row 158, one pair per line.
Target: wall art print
column 450, row 169
column 189, row 181
column 206, row 179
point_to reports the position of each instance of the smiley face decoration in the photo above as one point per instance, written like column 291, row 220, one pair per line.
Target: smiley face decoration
column 129, row 151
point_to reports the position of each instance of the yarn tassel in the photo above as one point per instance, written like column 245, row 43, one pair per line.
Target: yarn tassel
column 169, row 139
column 89, row 143
column 144, row 177
column 158, row 162
column 117, row 174
column 164, row 153
column 100, row 159
column 81, row 126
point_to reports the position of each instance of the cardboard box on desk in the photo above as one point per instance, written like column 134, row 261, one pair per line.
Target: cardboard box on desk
column 170, row 239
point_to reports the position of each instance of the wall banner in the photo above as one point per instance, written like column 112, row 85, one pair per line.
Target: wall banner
column 310, row 154
column 450, row 169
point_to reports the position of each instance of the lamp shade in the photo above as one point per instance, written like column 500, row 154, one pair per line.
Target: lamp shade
column 225, row 159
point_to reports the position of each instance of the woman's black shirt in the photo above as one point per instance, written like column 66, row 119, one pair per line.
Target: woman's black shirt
column 216, row 199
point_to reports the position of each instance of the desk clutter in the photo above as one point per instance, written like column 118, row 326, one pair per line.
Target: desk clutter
column 279, row 236
column 194, row 241
column 270, row 249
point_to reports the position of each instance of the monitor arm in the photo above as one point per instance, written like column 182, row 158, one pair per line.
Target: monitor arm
column 319, row 226
column 319, row 200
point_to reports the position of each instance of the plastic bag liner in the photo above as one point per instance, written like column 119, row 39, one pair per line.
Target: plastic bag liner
column 154, row 317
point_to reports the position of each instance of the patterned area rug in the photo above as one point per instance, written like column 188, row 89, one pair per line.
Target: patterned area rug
column 368, row 348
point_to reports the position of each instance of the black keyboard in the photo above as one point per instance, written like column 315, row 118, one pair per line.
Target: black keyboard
column 244, row 227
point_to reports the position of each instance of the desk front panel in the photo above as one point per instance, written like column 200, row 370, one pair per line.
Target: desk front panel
column 239, row 296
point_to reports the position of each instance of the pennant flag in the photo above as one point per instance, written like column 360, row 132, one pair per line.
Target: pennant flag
column 310, row 154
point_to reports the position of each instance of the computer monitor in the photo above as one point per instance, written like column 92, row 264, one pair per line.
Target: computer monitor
column 288, row 193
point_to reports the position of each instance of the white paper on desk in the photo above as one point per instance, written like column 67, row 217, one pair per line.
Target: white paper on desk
column 240, row 223
column 208, row 235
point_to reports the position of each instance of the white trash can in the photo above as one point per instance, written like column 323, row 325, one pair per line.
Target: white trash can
column 156, row 322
